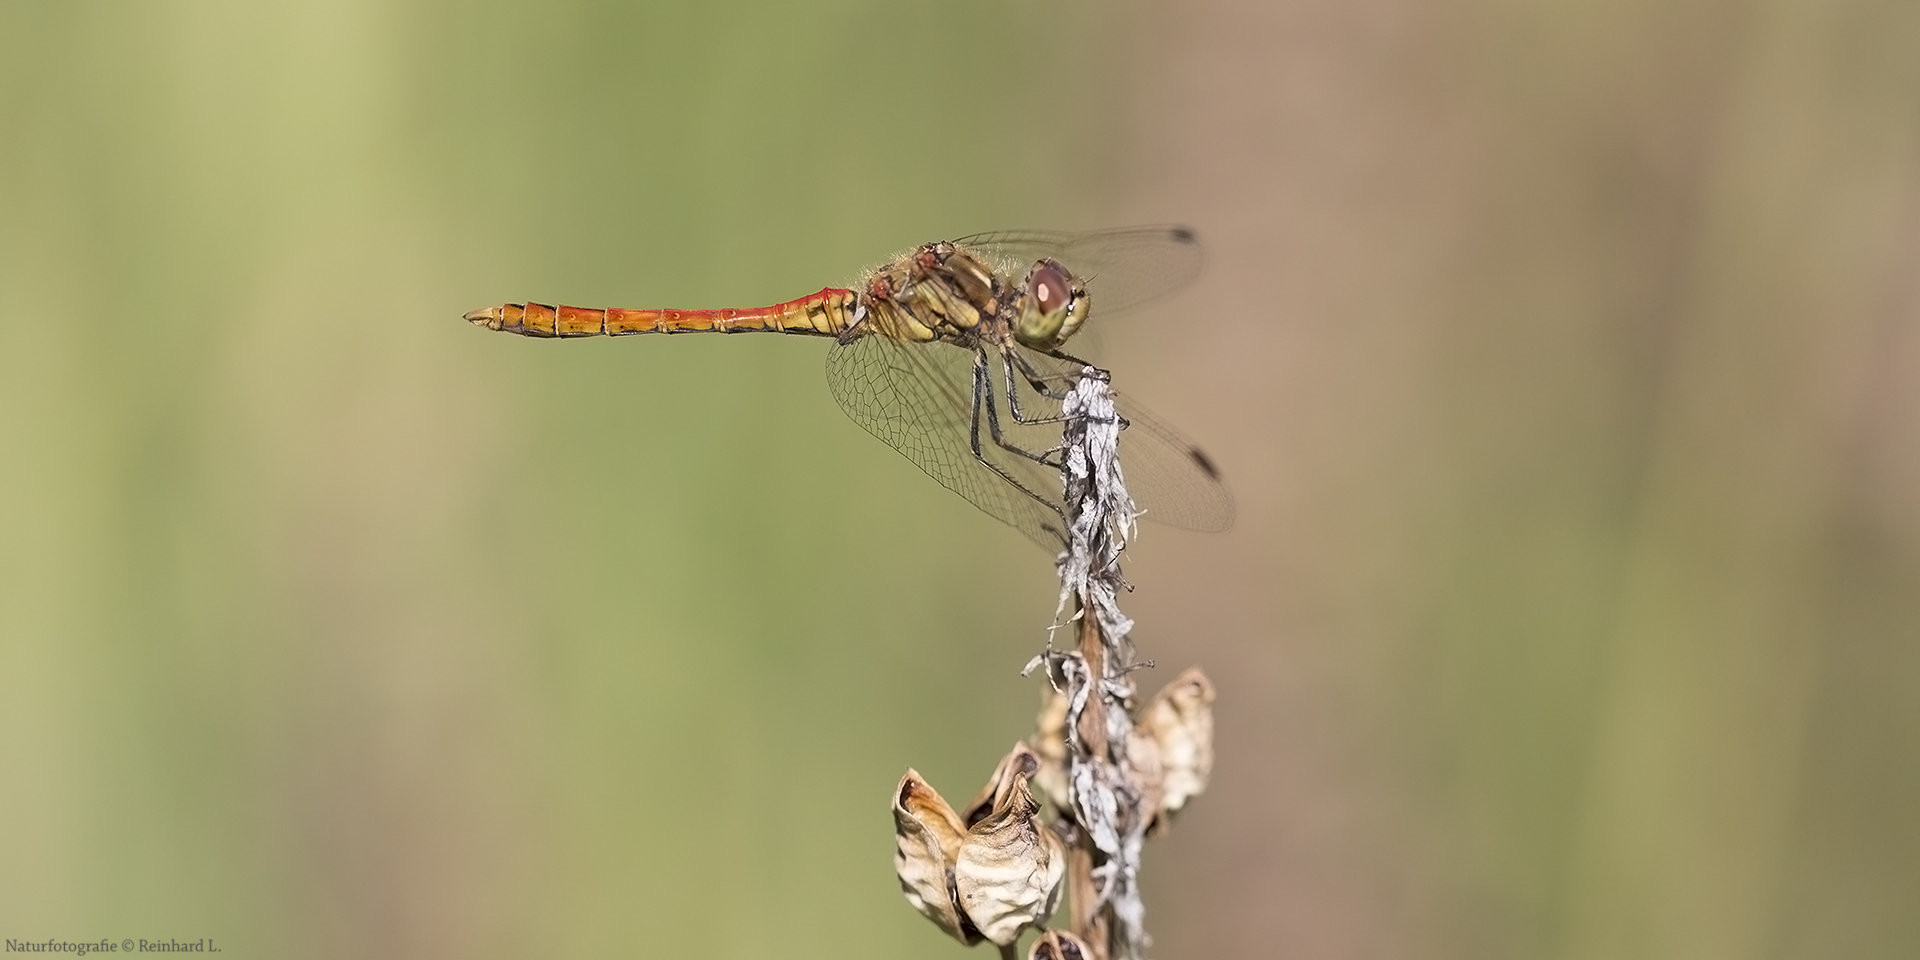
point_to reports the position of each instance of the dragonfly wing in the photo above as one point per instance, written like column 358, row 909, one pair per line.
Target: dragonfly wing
column 1172, row 481
column 919, row 398
column 1123, row 268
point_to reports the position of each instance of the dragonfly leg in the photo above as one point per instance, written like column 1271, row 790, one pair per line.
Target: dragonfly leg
column 1049, row 458
column 983, row 390
column 983, row 399
column 1008, row 360
column 1033, row 376
column 1039, row 383
column 1035, row 379
column 1059, row 354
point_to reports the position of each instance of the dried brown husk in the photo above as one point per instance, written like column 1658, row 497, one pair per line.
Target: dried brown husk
column 1059, row 945
column 1146, row 772
column 1010, row 866
column 994, row 793
column 1179, row 722
column 927, row 837
column 1049, row 743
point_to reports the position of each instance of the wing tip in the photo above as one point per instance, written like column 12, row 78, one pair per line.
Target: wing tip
column 1205, row 462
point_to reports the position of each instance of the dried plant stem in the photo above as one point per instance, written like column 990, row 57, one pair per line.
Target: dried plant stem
column 1112, row 768
column 1093, row 719
column 1089, row 922
column 1107, row 815
column 1085, row 921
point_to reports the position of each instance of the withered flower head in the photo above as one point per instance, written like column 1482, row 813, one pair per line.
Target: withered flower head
column 1050, row 745
column 999, row 785
column 1010, row 866
column 1179, row 720
column 927, row 836
column 989, row 873
column 1059, row 945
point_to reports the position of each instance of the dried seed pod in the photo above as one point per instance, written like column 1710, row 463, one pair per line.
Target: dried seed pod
column 1146, row 771
column 1059, row 945
column 1010, row 865
column 998, row 785
column 1179, row 720
column 1049, row 743
column 927, row 835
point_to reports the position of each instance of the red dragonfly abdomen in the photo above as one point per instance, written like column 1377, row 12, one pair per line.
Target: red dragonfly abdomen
column 823, row 314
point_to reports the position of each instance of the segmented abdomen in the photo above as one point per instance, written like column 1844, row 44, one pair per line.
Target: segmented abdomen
column 822, row 314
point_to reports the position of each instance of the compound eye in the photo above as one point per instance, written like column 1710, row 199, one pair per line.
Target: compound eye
column 1049, row 287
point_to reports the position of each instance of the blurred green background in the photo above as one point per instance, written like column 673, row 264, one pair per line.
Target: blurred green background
column 1565, row 359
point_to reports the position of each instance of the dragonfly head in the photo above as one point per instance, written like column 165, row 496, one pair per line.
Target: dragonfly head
column 1051, row 308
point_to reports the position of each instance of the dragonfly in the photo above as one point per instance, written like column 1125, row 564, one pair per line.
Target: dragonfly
column 953, row 354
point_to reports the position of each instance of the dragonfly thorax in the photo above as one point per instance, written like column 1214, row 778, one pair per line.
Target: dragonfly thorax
column 938, row 292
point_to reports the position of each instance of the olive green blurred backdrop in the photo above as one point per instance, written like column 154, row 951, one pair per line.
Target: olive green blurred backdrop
column 1565, row 359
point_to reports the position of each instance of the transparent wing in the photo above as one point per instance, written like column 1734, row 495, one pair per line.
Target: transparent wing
column 1172, row 481
column 920, row 399
column 1122, row 268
